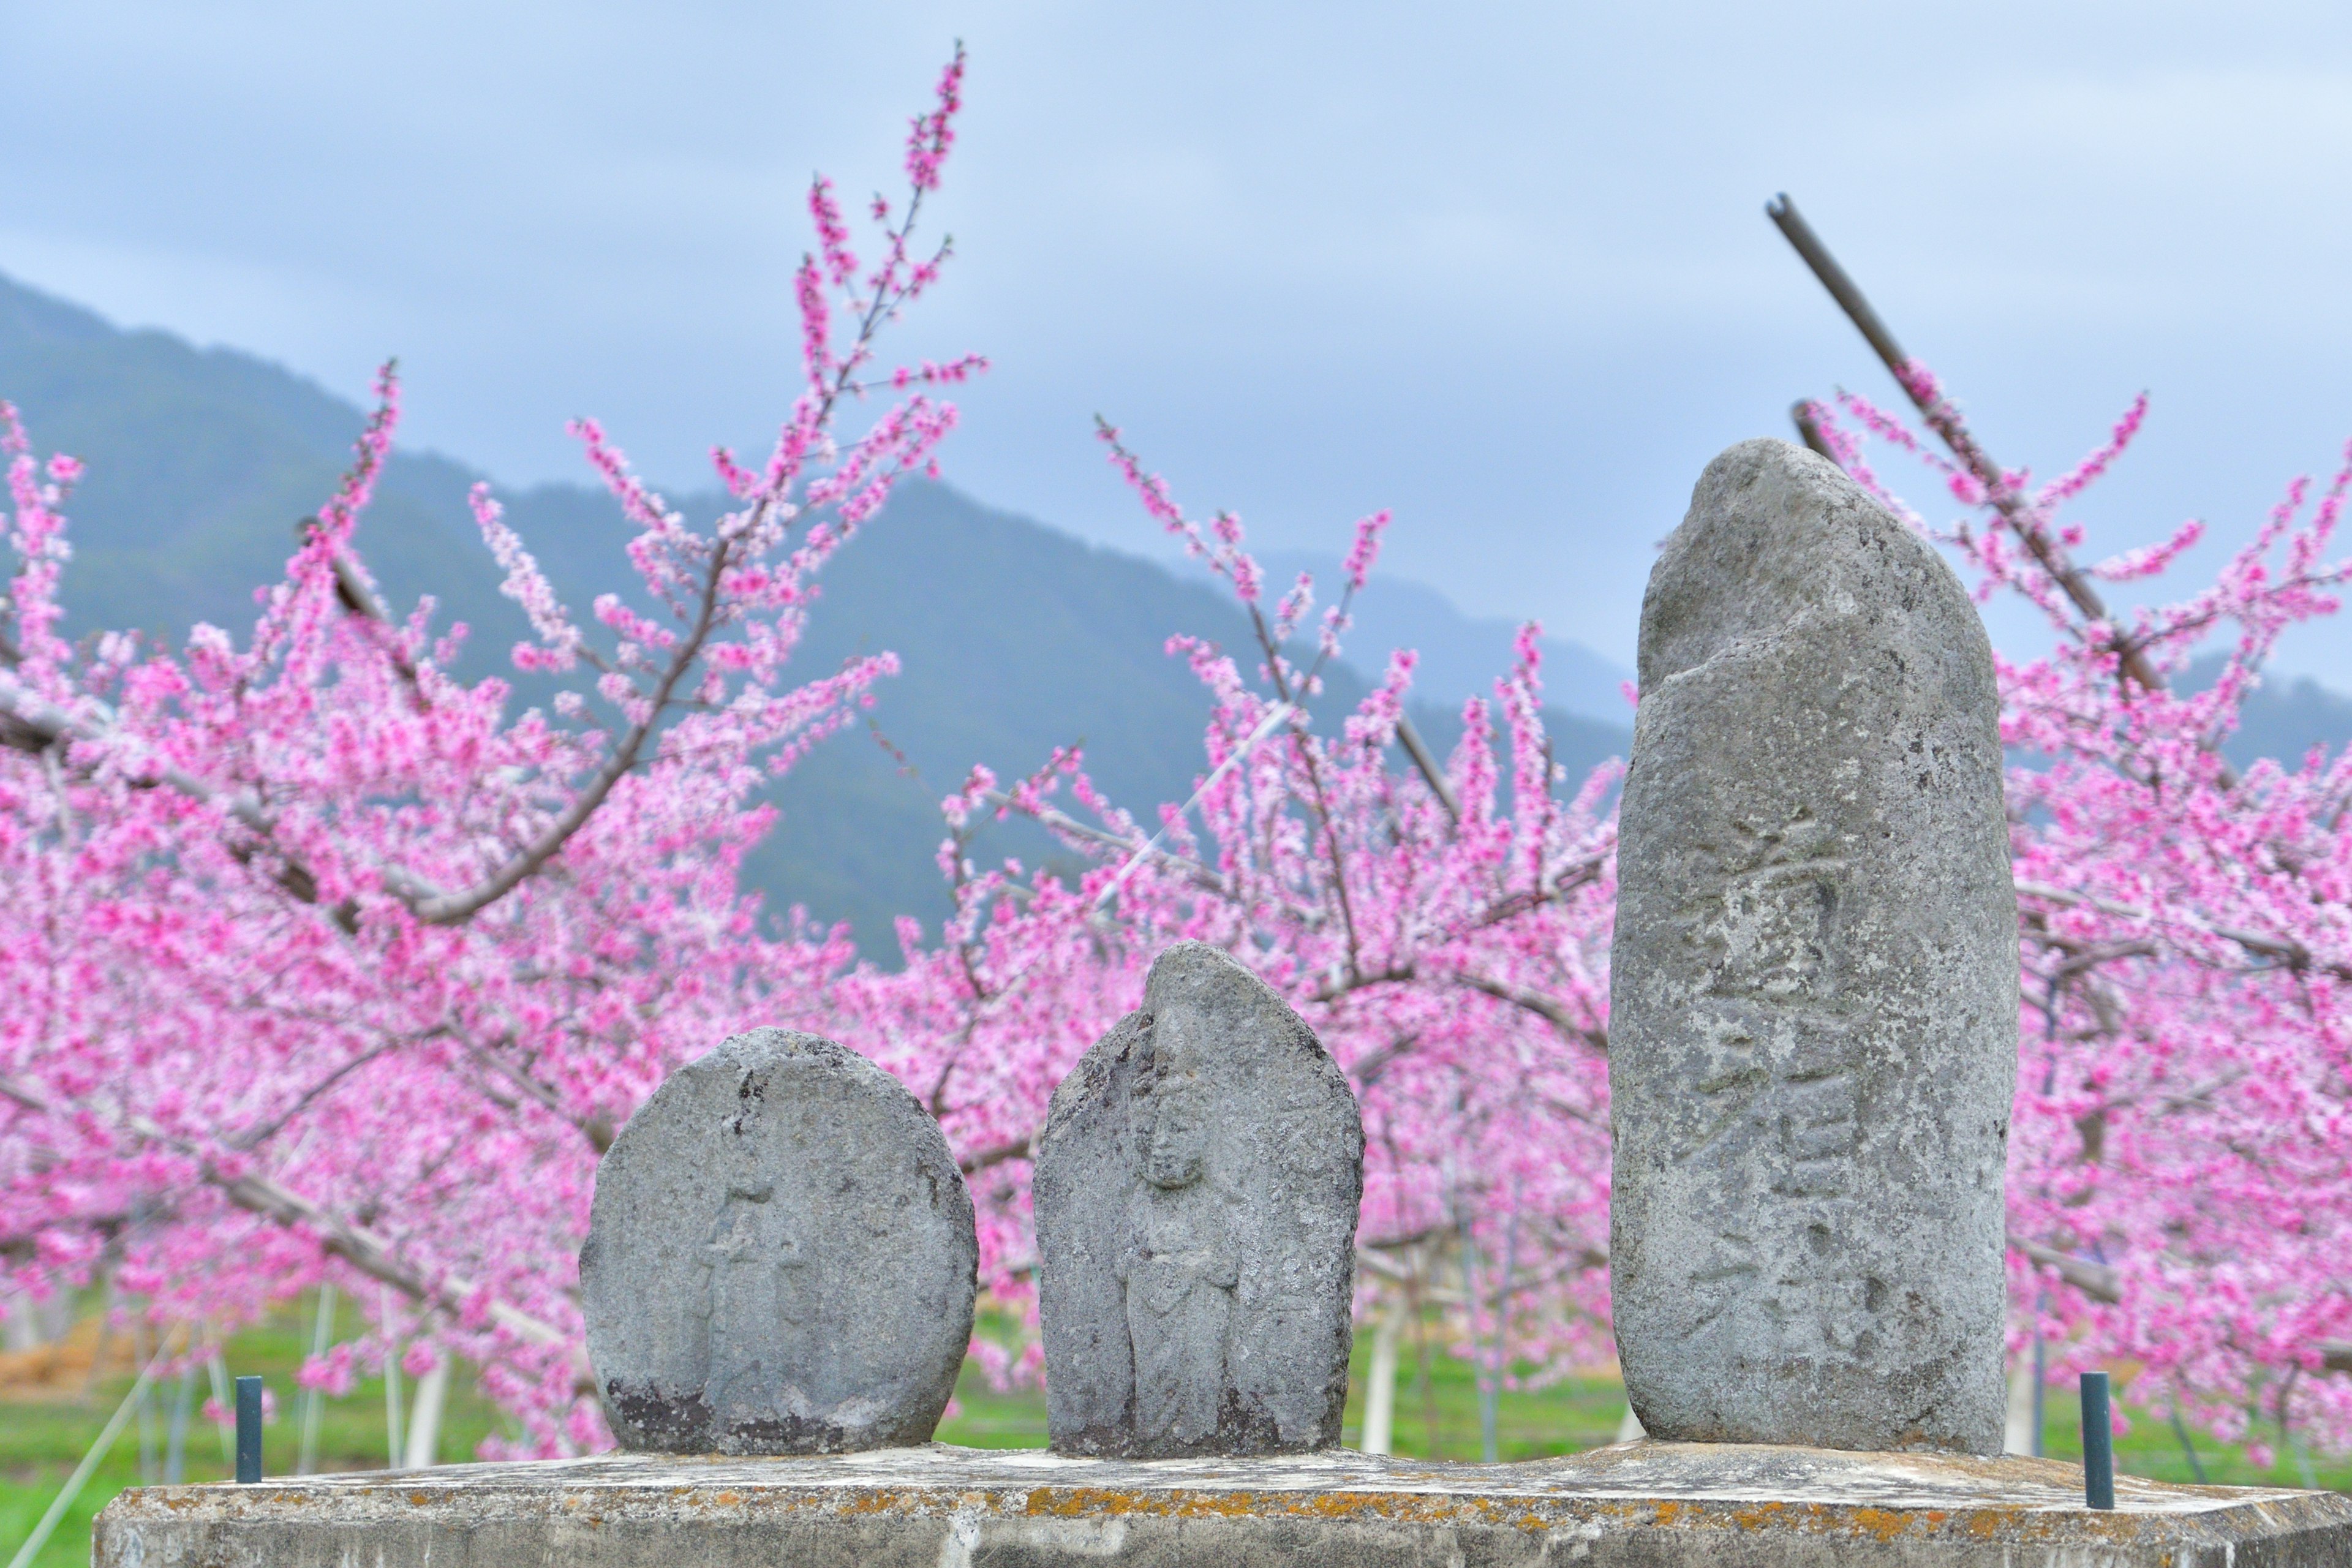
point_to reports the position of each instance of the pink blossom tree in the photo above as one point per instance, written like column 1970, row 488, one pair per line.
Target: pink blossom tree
column 1445, row 930
column 2181, row 1167
column 320, row 965
column 2179, row 1173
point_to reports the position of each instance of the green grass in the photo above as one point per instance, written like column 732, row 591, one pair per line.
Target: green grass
column 2152, row 1450
column 1436, row 1419
column 41, row 1442
column 1439, row 1418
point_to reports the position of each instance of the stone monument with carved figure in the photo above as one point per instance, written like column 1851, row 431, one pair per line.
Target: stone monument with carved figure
column 1814, row 981
column 780, row 1257
column 1177, row 1261
column 1196, row 1191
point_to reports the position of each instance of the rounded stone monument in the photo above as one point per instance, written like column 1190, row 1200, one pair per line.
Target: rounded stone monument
column 780, row 1259
column 1196, row 1191
column 1813, row 998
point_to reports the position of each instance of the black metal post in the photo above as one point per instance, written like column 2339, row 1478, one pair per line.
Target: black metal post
column 2098, row 1442
column 248, row 1429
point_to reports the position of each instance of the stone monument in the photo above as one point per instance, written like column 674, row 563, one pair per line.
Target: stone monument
column 1814, row 985
column 1195, row 1194
column 780, row 1257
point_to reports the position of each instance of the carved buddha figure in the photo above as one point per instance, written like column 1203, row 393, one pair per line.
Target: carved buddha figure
column 1178, row 1264
column 759, row 1283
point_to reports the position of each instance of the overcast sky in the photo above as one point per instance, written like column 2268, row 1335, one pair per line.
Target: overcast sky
column 1503, row 268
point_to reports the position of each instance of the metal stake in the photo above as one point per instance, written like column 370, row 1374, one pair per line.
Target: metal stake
column 2098, row 1442
column 248, row 1429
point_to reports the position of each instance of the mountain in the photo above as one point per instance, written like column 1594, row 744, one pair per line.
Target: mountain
column 1014, row 637
column 1461, row 655
column 2283, row 718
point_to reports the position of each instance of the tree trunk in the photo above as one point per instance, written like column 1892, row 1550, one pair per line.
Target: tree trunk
column 1380, row 1383
column 20, row 1323
column 425, row 1418
column 175, row 1441
column 2017, row 1431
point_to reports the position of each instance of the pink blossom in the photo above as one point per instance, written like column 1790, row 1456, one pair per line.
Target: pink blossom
column 324, row 966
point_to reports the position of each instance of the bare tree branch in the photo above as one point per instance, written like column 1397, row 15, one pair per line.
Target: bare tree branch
column 1426, row 762
column 1946, row 423
column 2103, row 1284
column 2283, row 950
column 363, row 1250
column 981, row 1159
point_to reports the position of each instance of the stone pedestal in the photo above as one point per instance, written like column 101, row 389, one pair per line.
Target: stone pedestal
column 1638, row 1505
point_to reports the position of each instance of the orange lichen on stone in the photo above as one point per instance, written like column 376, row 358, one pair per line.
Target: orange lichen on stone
column 1073, row 1502
column 1988, row 1522
column 1881, row 1524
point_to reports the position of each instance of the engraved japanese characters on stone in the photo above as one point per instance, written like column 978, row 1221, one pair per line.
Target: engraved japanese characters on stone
column 1778, row 1082
column 1814, row 982
column 781, row 1258
column 1196, row 1191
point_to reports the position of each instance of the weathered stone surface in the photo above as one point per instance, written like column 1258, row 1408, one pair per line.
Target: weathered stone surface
column 1814, row 994
column 1646, row 1505
column 1195, row 1195
column 780, row 1257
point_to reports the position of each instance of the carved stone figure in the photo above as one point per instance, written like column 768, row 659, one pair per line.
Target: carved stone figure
column 1195, row 1195
column 780, row 1257
column 759, row 1299
column 1178, row 1264
column 1814, row 985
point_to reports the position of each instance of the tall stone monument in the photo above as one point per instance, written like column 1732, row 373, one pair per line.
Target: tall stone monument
column 1814, row 992
column 780, row 1257
column 1195, row 1194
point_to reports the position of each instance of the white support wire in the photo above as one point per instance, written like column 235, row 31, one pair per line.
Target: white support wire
column 396, row 1442
column 314, row 1398
column 1275, row 717
column 90, row 1461
column 225, row 1424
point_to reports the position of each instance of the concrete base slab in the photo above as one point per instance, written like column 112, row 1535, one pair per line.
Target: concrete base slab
column 1637, row 1505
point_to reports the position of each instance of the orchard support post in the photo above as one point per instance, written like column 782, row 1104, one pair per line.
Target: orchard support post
column 2098, row 1442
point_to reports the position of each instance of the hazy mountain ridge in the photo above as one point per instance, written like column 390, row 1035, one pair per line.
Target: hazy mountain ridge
column 1014, row 637
column 1460, row 654
column 2284, row 717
